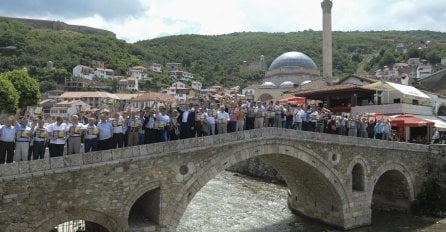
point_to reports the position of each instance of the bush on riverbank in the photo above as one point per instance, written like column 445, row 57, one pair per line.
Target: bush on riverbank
column 431, row 201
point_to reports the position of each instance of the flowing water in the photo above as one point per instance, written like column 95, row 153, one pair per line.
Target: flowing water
column 232, row 203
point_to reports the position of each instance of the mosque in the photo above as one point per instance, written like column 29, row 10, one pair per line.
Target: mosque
column 287, row 71
column 293, row 69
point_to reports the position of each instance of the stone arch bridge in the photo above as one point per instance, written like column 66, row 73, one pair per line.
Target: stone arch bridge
column 334, row 179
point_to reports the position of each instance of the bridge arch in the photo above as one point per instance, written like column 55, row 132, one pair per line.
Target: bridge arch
column 56, row 218
column 391, row 188
column 327, row 197
column 148, row 196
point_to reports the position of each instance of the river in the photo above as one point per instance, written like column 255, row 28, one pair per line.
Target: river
column 234, row 203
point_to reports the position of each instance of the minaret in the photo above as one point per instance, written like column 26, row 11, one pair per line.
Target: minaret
column 327, row 43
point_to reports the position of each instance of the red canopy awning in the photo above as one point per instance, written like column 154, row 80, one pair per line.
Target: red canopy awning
column 408, row 120
column 293, row 100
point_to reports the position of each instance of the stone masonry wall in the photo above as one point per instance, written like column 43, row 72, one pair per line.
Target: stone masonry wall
column 102, row 187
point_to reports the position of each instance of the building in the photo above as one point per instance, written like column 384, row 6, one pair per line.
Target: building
column 104, row 73
column 77, row 84
column 125, row 99
column 65, row 109
column 156, row 68
column 52, row 94
column 178, row 90
column 92, row 98
column 387, row 73
column 46, row 105
column 83, row 72
column 174, row 66
column 424, row 70
column 286, row 72
column 435, row 83
column 181, row 75
column 148, row 99
column 129, row 84
column 138, row 72
column 196, row 85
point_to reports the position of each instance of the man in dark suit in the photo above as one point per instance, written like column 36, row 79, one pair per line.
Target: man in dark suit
column 187, row 121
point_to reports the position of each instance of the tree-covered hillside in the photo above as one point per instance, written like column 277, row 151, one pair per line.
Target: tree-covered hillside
column 212, row 59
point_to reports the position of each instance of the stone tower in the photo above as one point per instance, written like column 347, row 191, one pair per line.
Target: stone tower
column 327, row 43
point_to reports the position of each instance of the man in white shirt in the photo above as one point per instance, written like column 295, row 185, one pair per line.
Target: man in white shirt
column 163, row 124
column 105, row 133
column 7, row 141
column 58, row 134
column 299, row 114
column 222, row 120
column 74, row 131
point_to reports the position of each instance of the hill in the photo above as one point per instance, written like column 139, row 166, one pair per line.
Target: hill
column 57, row 25
column 212, row 59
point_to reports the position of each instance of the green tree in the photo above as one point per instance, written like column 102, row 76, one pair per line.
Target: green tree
column 433, row 56
column 388, row 58
column 9, row 96
column 27, row 87
column 413, row 53
column 47, row 85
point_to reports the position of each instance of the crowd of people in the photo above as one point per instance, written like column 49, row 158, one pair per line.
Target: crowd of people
column 26, row 138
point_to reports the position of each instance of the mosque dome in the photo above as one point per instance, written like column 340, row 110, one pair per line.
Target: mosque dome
column 267, row 84
column 287, row 84
column 292, row 59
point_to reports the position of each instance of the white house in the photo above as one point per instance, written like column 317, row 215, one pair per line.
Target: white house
column 179, row 85
column 156, row 68
column 197, row 85
column 130, row 83
column 104, row 73
column 83, row 72
column 65, row 109
column 138, row 72
column 424, row 70
column 178, row 90
column 181, row 75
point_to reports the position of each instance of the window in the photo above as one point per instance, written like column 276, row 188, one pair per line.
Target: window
column 396, row 100
column 414, row 102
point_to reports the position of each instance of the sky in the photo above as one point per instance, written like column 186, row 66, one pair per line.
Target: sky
column 134, row 20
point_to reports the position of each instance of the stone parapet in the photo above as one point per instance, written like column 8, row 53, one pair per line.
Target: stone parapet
column 68, row 162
